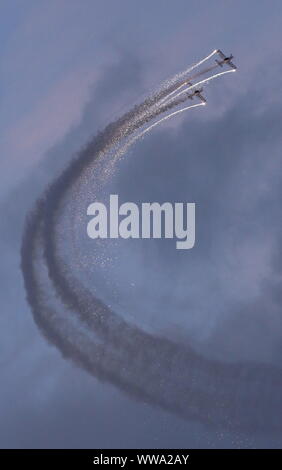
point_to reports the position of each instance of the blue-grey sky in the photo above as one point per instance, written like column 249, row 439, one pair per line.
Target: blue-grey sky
column 67, row 69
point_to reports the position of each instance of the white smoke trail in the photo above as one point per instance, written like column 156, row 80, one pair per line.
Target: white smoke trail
column 209, row 69
column 178, row 76
column 201, row 82
column 197, row 64
column 167, row 117
column 125, row 147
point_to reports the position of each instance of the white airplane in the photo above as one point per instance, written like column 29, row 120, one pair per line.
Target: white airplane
column 225, row 60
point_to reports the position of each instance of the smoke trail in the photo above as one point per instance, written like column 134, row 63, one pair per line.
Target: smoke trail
column 87, row 331
column 148, row 129
column 168, row 87
column 83, row 301
column 161, row 372
column 197, row 64
column 195, row 85
column 189, row 79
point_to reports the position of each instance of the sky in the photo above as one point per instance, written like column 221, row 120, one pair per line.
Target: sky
column 67, row 69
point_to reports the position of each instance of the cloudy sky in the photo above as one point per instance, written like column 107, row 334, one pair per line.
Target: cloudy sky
column 69, row 67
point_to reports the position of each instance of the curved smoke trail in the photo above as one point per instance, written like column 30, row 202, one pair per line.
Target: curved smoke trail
column 190, row 87
column 88, row 332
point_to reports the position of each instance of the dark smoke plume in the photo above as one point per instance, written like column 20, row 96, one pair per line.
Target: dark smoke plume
column 85, row 330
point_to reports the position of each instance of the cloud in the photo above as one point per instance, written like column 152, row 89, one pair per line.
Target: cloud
column 254, row 253
column 229, row 167
column 46, row 124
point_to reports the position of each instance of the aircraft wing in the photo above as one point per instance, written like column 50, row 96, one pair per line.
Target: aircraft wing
column 202, row 98
column 220, row 53
column 232, row 65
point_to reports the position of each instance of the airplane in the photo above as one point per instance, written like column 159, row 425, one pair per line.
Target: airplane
column 225, row 60
column 197, row 93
